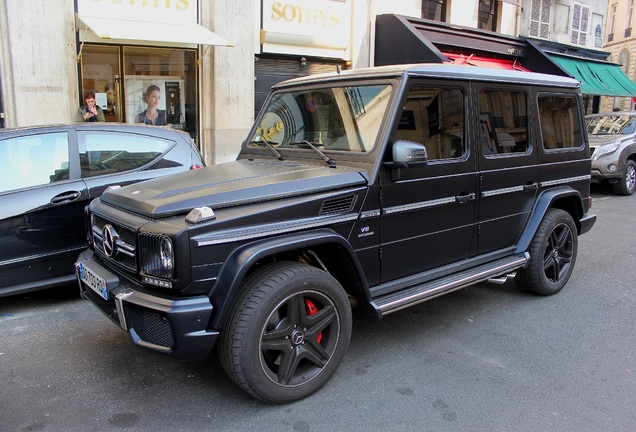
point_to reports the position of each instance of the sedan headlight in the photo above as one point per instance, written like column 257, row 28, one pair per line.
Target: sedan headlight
column 157, row 255
column 605, row 149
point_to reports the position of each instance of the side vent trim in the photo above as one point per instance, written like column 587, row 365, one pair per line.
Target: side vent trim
column 338, row 205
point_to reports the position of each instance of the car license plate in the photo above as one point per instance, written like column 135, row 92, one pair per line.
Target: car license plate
column 94, row 281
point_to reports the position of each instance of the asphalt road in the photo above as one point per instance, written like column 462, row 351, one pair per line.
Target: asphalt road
column 488, row 358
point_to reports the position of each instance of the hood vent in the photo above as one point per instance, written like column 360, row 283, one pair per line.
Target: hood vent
column 338, row 205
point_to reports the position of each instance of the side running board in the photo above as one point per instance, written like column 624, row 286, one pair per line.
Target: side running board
column 402, row 299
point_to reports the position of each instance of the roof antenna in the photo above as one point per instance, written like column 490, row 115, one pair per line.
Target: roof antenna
column 338, row 68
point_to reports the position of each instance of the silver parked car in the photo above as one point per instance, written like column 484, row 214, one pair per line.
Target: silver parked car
column 613, row 145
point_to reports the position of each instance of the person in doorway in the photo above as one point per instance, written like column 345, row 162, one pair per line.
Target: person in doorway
column 152, row 115
column 89, row 112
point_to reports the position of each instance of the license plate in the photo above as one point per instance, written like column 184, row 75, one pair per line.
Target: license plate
column 94, row 281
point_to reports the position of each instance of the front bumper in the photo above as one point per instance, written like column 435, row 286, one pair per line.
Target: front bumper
column 173, row 326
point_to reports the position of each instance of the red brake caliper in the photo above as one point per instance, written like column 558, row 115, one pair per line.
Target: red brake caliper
column 311, row 309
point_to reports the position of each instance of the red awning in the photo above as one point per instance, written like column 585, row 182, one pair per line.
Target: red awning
column 473, row 60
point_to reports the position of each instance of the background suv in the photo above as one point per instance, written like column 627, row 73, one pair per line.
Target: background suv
column 613, row 145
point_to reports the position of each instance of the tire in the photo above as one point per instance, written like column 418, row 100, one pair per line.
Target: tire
column 287, row 332
column 627, row 184
column 553, row 253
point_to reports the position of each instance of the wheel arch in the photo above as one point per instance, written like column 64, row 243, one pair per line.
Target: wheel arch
column 331, row 248
column 564, row 198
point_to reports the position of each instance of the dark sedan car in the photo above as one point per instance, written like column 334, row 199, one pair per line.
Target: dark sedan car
column 48, row 174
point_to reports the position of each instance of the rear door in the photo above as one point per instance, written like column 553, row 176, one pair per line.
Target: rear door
column 111, row 157
column 42, row 204
column 509, row 176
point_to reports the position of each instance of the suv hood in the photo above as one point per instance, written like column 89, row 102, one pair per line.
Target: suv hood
column 230, row 184
column 599, row 140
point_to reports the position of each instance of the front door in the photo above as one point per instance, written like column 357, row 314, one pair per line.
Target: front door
column 428, row 213
column 101, row 74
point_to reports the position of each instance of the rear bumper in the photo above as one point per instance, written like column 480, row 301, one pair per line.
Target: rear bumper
column 172, row 326
column 586, row 223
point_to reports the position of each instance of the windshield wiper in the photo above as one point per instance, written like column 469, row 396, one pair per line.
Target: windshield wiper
column 323, row 156
column 269, row 146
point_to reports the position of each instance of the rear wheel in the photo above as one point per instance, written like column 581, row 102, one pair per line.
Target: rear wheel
column 553, row 253
column 287, row 332
column 627, row 184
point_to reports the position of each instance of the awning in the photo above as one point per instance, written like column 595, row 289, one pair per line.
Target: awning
column 597, row 78
column 108, row 28
column 473, row 60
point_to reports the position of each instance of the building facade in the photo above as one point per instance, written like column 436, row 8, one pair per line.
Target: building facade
column 620, row 42
column 215, row 60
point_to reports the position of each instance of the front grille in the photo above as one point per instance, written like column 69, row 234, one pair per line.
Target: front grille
column 126, row 245
column 151, row 326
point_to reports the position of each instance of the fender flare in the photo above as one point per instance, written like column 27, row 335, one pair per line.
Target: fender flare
column 546, row 201
column 241, row 260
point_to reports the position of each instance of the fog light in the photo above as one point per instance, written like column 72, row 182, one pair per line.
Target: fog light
column 612, row 167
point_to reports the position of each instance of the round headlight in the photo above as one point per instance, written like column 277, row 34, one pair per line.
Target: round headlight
column 166, row 254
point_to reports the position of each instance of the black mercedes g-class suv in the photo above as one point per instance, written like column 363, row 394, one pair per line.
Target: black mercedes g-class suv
column 380, row 188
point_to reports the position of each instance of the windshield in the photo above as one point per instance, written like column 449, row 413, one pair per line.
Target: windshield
column 332, row 118
column 611, row 125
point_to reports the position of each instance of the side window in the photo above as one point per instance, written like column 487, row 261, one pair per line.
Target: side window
column 503, row 119
column 33, row 160
column 434, row 117
column 560, row 122
column 110, row 152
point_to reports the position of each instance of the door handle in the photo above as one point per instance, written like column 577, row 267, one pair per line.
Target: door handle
column 531, row 186
column 464, row 198
column 65, row 197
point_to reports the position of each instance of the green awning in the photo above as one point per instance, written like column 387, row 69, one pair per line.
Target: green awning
column 597, row 78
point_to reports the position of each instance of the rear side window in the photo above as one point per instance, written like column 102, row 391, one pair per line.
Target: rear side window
column 560, row 122
column 503, row 119
column 434, row 117
column 33, row 160
column 111, row 152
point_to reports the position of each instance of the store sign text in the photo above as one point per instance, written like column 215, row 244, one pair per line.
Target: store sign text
column 301, row 14
column 168, row 4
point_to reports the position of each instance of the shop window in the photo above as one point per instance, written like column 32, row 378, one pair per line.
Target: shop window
column 560, row 123
column 434, row 10
column 503, row 122
column 434, row 117
column 166, row 79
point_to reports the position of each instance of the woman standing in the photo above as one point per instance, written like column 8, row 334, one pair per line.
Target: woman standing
column 152, row 115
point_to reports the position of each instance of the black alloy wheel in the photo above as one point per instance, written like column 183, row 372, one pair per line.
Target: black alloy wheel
column 287, row 333
column 553, row 253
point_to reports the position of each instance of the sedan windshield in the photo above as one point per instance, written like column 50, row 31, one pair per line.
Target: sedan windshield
column 611, row 125
column 333, row 118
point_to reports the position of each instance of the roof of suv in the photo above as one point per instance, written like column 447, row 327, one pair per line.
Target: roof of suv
column 436, row 70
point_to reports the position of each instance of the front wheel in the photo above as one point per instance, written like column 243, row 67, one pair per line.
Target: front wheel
column 627, row 183
column 553, row 253
column 287, row 332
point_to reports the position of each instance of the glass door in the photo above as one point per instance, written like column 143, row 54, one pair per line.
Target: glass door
column 101, row 74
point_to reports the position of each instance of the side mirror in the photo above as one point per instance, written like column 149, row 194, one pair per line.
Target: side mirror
column 407, row 154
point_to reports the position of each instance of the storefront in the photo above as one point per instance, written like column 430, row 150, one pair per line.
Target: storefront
column 157, row 44
column 421, row 40
column 305, row 37
column 401, row 40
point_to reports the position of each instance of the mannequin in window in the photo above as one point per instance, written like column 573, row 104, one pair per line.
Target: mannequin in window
column 152, row 115
column 89, row 112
